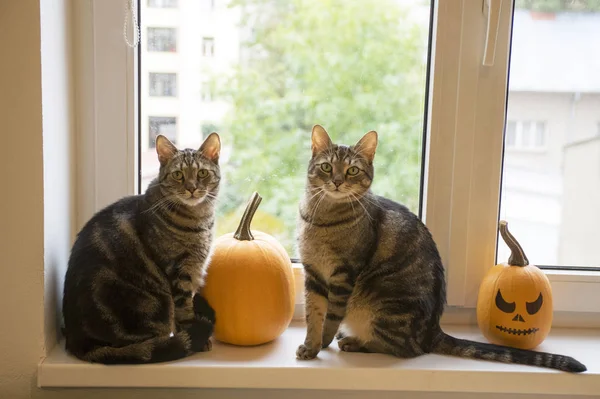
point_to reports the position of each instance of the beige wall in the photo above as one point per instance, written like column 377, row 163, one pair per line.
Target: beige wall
column 21, row 202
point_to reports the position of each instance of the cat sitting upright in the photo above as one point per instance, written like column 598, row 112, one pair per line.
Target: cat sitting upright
column 131, row 286
column 372, row 266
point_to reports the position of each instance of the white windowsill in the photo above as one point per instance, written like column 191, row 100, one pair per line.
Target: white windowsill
column 274, row 366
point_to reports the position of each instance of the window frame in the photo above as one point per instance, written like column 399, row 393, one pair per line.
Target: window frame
column 463, row 153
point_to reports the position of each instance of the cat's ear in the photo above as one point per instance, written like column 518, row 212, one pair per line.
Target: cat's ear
column 211, row 148
column 367, row 145
column 165, row 149
column 320, row 140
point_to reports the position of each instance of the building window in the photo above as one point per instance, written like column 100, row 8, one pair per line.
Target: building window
column 162, row 39
column 206, row 92
column 163, row 84
column 165, row 125
column 208, row 5
column 163, row 3
column 208, row 46
column 526, row 135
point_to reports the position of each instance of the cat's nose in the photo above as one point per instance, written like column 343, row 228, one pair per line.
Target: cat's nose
column 190, row 186
column 338, row 182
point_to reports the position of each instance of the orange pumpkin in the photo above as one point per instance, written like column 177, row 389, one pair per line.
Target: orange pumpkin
column 514, row 306
column 250, row 284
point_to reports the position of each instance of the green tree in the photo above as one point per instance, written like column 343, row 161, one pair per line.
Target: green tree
column 351, row 66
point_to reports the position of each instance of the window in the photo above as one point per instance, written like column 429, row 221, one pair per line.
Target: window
column 162, row 39
column 208, row 46
column 267, row 107
column 163, row 3
column 528, row 159
column 208, row 5
column 526, row 135
column 163, row 84
column 207, row 95
column 551, row 198
column 167, row 126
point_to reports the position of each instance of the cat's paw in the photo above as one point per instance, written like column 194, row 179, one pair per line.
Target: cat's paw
column 306, row 353
column 350, row 344
column 203, row 309
column 200, row 331
column 208, row 346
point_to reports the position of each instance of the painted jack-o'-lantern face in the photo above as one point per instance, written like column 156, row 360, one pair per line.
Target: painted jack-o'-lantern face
column 514, row 306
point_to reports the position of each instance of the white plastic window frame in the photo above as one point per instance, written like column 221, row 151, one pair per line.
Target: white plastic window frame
column 463, row 156
column 465, row 153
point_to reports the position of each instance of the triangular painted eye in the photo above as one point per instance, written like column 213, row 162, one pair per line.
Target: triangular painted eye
column 504, row 306
column 534, row 307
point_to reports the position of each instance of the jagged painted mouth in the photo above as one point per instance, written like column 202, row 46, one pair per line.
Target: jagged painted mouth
column 516, row 331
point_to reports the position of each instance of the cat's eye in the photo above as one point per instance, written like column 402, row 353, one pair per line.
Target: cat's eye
column 353, row 171
column 326, row 167
column 177, row 175
column 202, row 173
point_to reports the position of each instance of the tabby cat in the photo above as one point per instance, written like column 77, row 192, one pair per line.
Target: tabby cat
column 373, row 265
column 135, row 269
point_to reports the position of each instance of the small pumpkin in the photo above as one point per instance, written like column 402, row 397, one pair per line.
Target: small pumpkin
column 250, row 284
column 514, row 306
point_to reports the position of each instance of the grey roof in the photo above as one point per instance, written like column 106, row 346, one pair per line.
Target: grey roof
column 559, row 55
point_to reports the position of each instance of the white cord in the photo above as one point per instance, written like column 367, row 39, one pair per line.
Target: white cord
column 130, row 10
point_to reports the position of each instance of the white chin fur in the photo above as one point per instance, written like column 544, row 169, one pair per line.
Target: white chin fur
column 338, row 195
column 191, row 201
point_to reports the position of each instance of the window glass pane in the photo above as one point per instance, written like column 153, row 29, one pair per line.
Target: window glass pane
column 551, row 190
column 167, row 126
column 207, row 5
column 511, row 132
column 262, row 73
column 162, row 39
column 162, row 3
column 208, row 46
column 163, row 84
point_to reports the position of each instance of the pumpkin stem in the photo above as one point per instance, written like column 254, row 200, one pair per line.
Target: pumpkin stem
column 517, row 255
column 243, row 232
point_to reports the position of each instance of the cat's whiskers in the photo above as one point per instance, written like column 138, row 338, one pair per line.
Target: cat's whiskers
column 319, row 190
column 371, row 201
column 360, row 203
column 211, row 198
column 160, row 203
column 314, row 211
column 351, row 202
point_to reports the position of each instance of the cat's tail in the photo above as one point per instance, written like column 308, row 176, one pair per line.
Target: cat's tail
column 194, row 338
column 445, row 344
